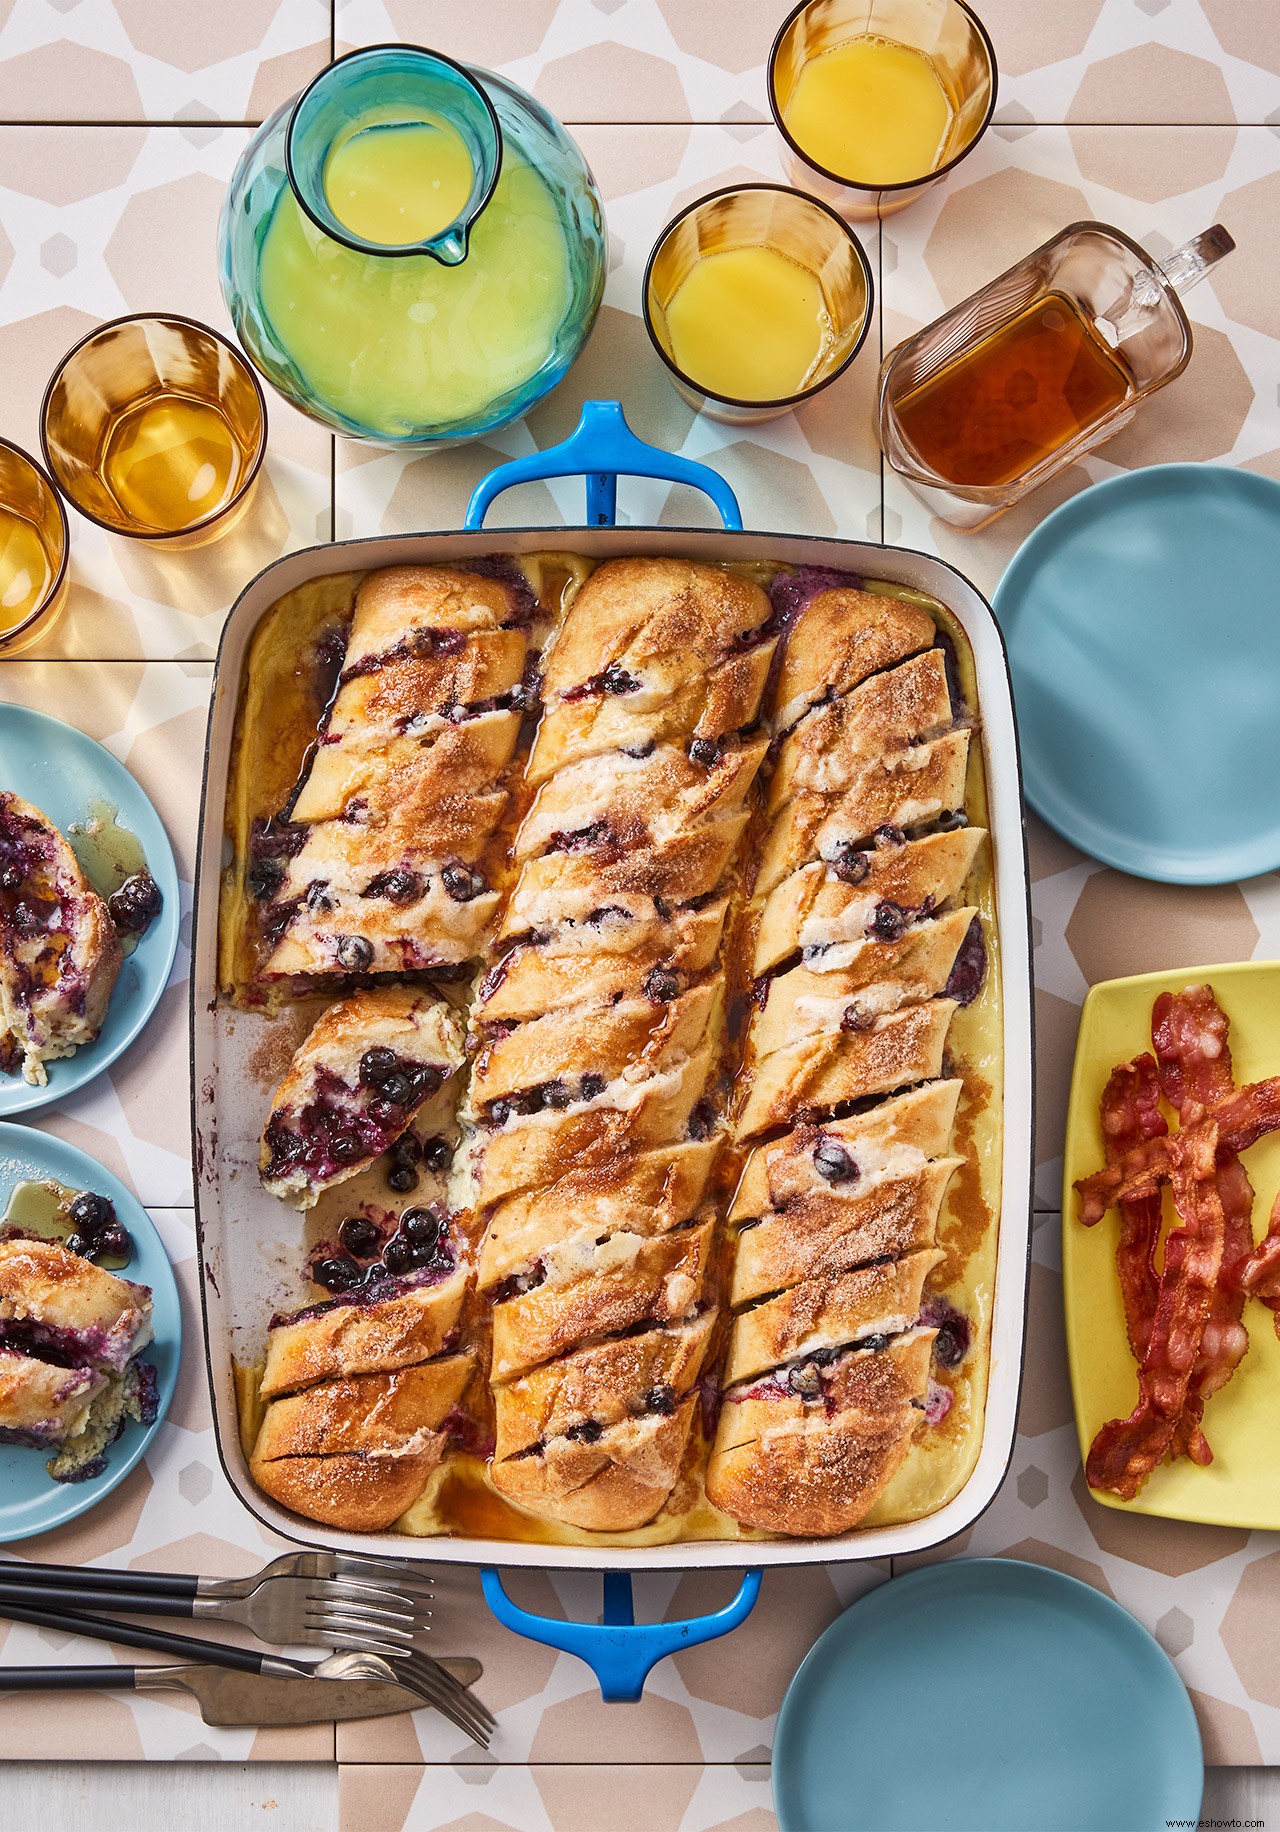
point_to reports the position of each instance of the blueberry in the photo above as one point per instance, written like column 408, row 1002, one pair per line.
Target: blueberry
column 423, row 1079
column 78, row 1244
column 590, row 1431
column 338, row 1273
column 376, row 1064
column 952, row 819
column 833, row 1163
column 805, row 1381
column 437, row 1153
column 500, row 1112
column 617, row 680
column 662, row 986
column 384, row 1111
column 91, row 1213
column 264, row 878
column 889, row 835
column 660, row 1399
column 421, row 1226
column 874, row 1342
column 354, row 952
column 346, row 1148
column 850, row 865
column 704, row 750
column 462, row 885
column 555, row 1094
column 702, row 1120
column 318, row 898
column 397, row 1255
column 402, row 1178
column 399, row 886
column 591, row 1085
column 969, row 968
column 855, row 1019
column 138, row 900
column 889, row 921
column 397, row 1089
column 115, row 1242
column 359, row 1236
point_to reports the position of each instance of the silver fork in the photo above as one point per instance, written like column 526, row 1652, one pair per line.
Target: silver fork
column 276, row 1604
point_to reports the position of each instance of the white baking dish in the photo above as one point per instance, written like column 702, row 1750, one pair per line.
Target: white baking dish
column 247, row 1238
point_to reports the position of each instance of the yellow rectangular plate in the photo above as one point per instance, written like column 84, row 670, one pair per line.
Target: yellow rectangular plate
column 1241, row 1487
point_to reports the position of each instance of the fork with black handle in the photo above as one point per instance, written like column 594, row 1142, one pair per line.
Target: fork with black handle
column 416, row 1672
column 279, row 1607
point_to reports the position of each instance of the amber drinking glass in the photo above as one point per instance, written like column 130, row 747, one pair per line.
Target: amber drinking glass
column 33, row 551
column 943, row 36
column 799, row 230
column 155, row 427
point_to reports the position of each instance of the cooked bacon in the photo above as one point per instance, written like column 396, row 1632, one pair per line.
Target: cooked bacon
column 1189, row 1029
column 1242, row 1119
column 1259, row 1275
column 1130, row 1114
column 1125, row 1451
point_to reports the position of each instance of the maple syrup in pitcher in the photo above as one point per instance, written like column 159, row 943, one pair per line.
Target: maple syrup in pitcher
column 1017, row 397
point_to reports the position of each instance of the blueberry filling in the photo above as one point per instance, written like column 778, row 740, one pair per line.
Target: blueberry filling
column 395, row 886
column 833, row 1163
column 855, row 1019
column 790, row 593
column 611, row 680
column 318, row 898
column 850, row 865
column 889, row 922
column 969, row 968
column 661, row 1399
column 264, row 878
column 354, row 952
column 591, row 1086
column 661, row 985
column 376, row 1064
column 590, row 1431
column 359, row 1236
column 951, row 820
column 462, row 884
column 596, row 834
column 889, row 835
column 705, row 751
column 702, row 1120
column 952, row 1342
column 337, row 1272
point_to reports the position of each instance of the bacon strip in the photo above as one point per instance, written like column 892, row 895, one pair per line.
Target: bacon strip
column 1131, row 1114
column 1259, row 1275
column 1189, row 1030
column 1125, row 1451
column 1242, row 1119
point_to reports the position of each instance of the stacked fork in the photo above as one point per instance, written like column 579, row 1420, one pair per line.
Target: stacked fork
column 367, row 1610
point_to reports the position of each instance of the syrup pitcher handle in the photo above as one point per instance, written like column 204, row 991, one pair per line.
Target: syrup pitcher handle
column 619, row 1650
column 1190, row 263
column 603, row 447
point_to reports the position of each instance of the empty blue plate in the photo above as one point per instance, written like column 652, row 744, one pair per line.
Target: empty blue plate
column 64, row 773
column 30, row 1500
column 986, row 1695
column 1143, row 625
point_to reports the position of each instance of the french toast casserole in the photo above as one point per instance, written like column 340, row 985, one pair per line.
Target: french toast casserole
column 624, row 936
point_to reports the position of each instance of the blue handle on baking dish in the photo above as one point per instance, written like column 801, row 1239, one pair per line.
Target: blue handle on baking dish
column 619, row 1650
column 603, row 447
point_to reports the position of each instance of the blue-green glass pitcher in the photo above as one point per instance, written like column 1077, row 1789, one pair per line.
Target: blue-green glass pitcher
column 471, row 318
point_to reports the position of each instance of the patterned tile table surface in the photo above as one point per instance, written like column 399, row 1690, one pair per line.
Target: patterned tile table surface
column 120, row 122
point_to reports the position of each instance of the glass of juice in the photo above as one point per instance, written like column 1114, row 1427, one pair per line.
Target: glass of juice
column 755, row 298
column 33, row 551
column 1020, row 380
column 155, row 427
column 877, row 100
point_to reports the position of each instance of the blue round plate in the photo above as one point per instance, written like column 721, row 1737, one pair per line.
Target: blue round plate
column 62, row 771
column 986, row 1695
column 1144, row 645
column 30, row 1501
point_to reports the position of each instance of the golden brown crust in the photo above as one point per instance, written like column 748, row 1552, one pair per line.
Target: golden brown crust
column 644, row 1192
column 827, row 1312
column 624, row 1282
column 346, row 1338
column 619, row 1481
column 606, row 1382
column 833, row 741
column 677, row 870
column 635, row 614
column 533, row 979
column 399, row 600
column 823, row 1072
column 393, row 1414
column 357, row 1494
column 641, row 1036
column 842, row 636
column 824, row 1235
column 877, row 977
column 814, row 908
column 785, row 1466
column 900, row 1134
column 398, row 787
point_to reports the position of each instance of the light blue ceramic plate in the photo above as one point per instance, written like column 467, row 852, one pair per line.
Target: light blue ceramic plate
column 30, row 1501
column 986, row 1695
column 63, row 772
column 1143, row 626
